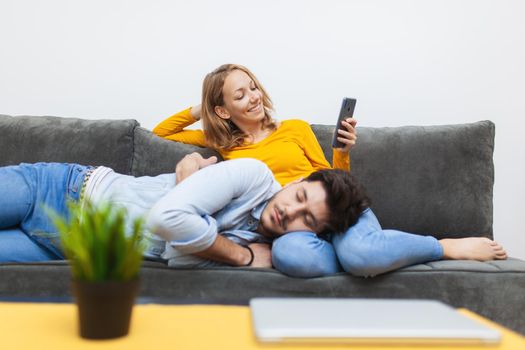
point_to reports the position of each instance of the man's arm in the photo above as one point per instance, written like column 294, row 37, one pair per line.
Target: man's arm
column 226, row 251
column 183, row 217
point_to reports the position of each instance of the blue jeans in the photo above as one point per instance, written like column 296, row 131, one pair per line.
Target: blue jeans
column 363, row 250
column 25, row 190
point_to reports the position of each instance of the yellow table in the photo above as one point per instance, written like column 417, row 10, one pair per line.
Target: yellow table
column 25, row 326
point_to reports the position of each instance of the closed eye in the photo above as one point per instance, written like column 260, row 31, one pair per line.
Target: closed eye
column 308, row 218
column 301, row 195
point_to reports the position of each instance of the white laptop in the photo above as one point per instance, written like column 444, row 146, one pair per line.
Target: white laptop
column 365, row 321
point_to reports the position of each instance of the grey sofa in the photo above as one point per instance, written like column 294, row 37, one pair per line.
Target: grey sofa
column 433, row 180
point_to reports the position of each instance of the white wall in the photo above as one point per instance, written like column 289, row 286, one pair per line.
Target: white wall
column 407, row 62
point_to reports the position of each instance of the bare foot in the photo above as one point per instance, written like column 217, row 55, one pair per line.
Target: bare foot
column 472, row 248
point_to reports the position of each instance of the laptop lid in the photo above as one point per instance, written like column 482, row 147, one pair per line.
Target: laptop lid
column 392, row 321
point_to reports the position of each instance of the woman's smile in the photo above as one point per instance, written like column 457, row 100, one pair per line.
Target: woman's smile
column 257, row 108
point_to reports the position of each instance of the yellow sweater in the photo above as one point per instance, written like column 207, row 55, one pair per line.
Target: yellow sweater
column 291, row 151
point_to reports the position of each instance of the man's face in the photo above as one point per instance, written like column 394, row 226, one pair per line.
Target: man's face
column 300, row 206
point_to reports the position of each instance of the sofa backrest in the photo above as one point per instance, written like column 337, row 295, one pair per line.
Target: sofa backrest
column 434, row 180
column 33, row 139
column 154, row 155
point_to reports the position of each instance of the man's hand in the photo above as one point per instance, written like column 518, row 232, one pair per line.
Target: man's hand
column 262, row 255
column 190, row 164
column 349, row 136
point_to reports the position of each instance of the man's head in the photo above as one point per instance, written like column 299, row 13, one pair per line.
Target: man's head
column 326, row 201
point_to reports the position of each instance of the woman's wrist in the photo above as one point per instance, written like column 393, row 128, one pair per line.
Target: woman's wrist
column 196, row 112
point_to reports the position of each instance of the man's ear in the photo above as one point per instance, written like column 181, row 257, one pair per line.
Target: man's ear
column 294, row 182
column 222, row 112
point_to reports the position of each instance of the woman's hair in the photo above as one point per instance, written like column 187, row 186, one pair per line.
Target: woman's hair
column 223, row 133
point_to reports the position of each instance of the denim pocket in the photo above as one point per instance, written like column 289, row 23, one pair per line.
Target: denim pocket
column 75, row 180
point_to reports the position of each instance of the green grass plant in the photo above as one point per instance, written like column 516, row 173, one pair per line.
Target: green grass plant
column 94, row 240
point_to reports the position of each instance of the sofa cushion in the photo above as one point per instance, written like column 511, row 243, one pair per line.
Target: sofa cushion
column 493, row 289
column 434, row 180
column 154, row 155
column 32, row 139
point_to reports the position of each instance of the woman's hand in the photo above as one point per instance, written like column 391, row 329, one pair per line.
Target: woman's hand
column 347, row 134
column 190, row 164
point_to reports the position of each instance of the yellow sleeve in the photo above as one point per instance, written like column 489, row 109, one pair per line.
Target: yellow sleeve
column 341, row 160
column 314, row 152
column 172, row 129
column 312, row 149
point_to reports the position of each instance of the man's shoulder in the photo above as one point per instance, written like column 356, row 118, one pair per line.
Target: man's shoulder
column 248, row 164
column 247, row 171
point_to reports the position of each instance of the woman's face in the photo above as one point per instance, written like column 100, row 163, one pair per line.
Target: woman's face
column 243, row 101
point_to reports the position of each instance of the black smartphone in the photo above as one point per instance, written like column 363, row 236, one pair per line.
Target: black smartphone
column 347, row 111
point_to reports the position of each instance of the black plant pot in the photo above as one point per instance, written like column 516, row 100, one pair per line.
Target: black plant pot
column 104, row 308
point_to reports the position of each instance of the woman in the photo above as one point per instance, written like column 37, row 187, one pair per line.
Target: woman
column 237, row 122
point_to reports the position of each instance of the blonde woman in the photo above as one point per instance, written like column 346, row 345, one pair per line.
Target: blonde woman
column 238, row 124
column 236, row 113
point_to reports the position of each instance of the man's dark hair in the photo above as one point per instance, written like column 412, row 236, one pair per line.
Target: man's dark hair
column 345, row 197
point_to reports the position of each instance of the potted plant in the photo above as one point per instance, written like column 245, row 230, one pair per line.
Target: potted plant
column 105, row 262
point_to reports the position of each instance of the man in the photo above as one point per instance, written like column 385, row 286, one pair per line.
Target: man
column 226, row 213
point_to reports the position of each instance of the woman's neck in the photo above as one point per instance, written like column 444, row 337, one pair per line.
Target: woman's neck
column 255, row 132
